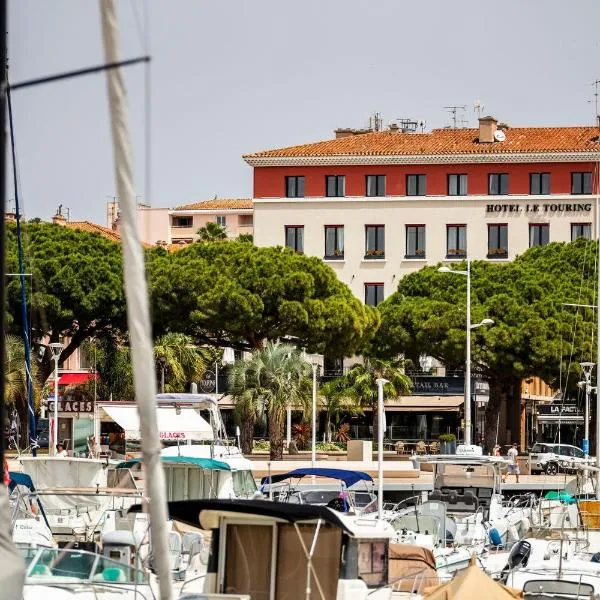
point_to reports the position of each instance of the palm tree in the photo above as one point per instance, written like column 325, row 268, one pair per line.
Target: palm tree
column 274, row 378
column 360, row 383
column 212, row 232
column 182, row 361
column 336, row 401
column 15, row 378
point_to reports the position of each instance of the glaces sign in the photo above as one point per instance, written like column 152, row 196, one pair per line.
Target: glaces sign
column 549, row 208
column 172, row 435
column 72, row 406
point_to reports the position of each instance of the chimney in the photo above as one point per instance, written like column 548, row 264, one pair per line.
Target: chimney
column 394, row 128
column 487, row 129
column 342, row 133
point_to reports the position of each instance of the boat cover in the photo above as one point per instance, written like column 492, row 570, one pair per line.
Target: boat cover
column 348, row 477
column 203, row 463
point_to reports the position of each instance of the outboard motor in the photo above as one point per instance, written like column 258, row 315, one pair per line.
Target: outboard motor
column 519, row 556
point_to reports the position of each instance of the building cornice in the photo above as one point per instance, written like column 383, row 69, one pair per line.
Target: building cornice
column 457, row 200
column 421, row 159
column 215, row 211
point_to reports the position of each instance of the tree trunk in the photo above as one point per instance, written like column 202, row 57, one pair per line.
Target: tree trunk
column 276, row 420
column 247, row 433
column 504, row 391
column 328, row 426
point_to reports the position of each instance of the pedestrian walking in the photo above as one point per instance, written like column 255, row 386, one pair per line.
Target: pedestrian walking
column 513, row 467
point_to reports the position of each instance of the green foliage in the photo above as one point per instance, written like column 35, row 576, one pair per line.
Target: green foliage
column 337, row 402
column 301, row 434
column 261, row 445
column 330, row 447
column 245, row 238
column 76, row 288
column 447, row 437
column 183, row 362
column 224, row 293
column 15, row 376
column 212, row 232
column 275, row 377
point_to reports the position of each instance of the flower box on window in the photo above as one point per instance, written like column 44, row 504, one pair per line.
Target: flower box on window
column 375, row 253
column 420, row 252
column 457, row 252
column 497, row 253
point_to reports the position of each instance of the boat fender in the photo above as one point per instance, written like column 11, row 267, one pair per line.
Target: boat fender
column 596, row 557
column 495, row 537
column 513, row 534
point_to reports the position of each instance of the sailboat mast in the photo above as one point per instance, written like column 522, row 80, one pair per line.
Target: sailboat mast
column 598, row 332
column 3, row 87
column 138, row 309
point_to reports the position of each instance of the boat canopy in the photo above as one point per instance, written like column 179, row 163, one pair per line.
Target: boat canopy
column 348, row 477
column 208, row 512
column 174, row 423
column 25, row 480
column 203, row 463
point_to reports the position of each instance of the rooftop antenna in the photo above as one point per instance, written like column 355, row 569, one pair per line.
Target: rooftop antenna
column 453, row 110
column 596, row 85
column 478, row 108
column 375, row 122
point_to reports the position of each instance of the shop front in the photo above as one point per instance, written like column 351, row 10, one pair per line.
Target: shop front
column 75, row 422
column 560, row 423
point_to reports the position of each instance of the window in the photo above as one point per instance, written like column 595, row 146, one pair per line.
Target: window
column 335, row 186
column 182, row 222
column 294, row 186
column 222, row 220
column 539, row 234
column 375, row 241
column 581, row 183
column 581, row 230
column 373, row 294
column 456, row 241
column 375, row 185
column 498, row 184
column 334, row 241
column 539, row 183
column 457, row 185
column 416, row 185
column 415, row 241
column 498, row 241
column 294, row 237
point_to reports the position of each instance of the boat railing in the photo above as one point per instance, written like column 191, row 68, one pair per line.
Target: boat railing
column 413, row 584
column 404, row 504
column 193, row 580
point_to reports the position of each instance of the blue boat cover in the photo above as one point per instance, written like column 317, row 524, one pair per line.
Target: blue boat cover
column 23, row 479
column 203, row 463
column 348, row 477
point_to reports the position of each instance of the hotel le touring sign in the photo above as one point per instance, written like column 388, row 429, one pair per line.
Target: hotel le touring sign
column 545, row 208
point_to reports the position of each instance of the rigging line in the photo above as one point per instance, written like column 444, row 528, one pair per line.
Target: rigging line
column 78, row 72
column 25, row 323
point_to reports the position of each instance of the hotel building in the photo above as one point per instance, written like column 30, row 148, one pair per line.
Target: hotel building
column 378, row 205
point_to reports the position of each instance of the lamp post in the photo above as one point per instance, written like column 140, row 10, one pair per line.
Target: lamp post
column 586, row 367
column 380, row 383
column 56, row 349
column 313, row 454
column 470, row 327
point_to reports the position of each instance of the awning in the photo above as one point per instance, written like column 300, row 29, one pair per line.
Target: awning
column 173, row 423
column 75, row 378
column 564, row 420
column 425, row 404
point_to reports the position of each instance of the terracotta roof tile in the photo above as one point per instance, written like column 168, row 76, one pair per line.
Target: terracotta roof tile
column 219, row 204
column 447, row 141
column 94, row 228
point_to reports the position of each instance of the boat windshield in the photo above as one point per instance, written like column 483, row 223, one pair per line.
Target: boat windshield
column 52, row 565
column 457, row 475
column 244, row 485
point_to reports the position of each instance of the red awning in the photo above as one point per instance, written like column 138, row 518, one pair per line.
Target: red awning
column 74, row 378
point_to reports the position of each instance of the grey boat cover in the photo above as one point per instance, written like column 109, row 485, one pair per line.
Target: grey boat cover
column 12, row 573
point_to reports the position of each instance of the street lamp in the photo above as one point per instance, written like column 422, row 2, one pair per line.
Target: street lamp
column 586, row 367
column 380, row 383
column 467, row 273
column 56, row 349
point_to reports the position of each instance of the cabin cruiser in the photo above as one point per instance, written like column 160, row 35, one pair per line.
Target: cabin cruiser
column 354, row 493
column 263, row 549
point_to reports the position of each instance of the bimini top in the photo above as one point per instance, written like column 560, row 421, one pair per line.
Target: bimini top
column 208, row 512
column 25, row 480
column 348, row 477
column 203, row 463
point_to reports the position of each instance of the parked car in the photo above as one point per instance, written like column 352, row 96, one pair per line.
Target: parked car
column 43, row 439
column 550, row 458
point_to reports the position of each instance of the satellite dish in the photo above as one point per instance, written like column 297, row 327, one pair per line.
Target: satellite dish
column 499, row 136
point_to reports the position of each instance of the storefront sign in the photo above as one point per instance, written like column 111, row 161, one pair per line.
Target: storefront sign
column 549, row 208
column 72, row 406
column 438, row 386
column 208, row 382
column 172, row 435
column 558, row 409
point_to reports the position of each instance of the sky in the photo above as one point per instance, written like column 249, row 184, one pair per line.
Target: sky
column 230, row 77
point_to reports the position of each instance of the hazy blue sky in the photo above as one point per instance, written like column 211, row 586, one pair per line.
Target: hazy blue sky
column 235, row 76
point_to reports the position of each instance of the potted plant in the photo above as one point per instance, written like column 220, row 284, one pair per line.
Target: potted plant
column 420, row 252
column 375, row 253
column 498, row 252
column 339, row 253
column 447, row 443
